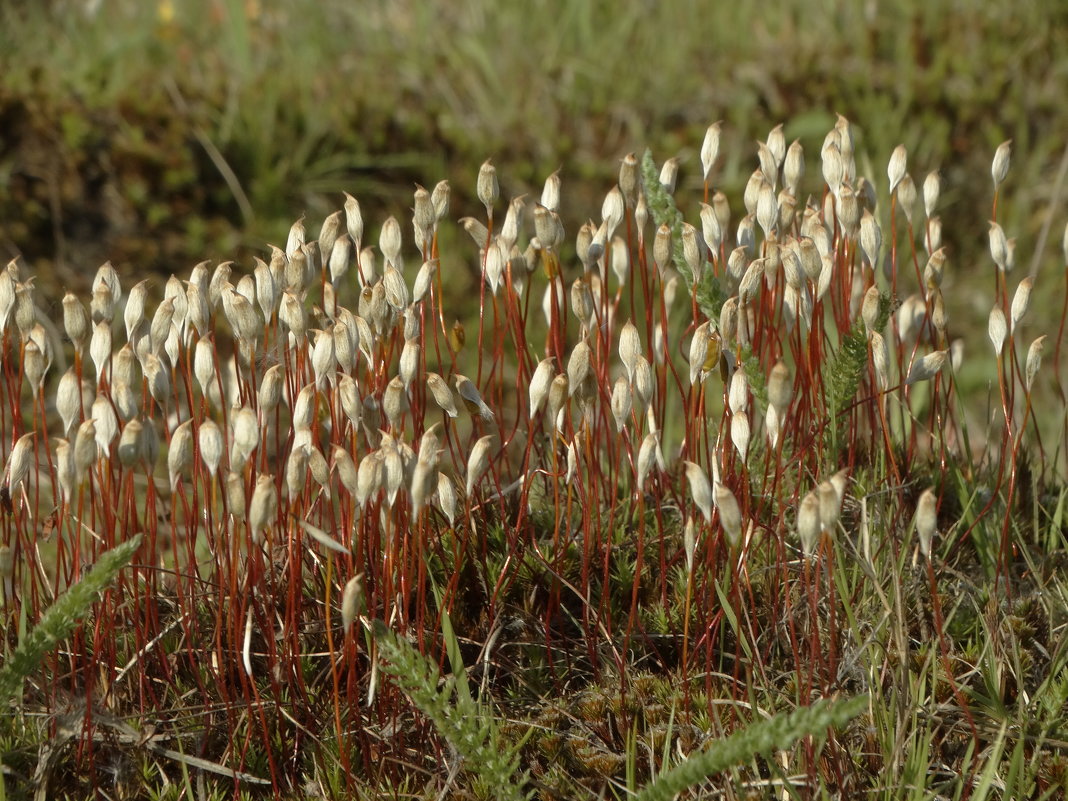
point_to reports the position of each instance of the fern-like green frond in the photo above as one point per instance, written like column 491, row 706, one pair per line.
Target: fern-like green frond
column 466, row 727
column 61, row 618
column 709, row 293
column 763, row 737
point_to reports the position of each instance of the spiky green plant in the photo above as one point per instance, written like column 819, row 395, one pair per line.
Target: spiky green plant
column 61, row 618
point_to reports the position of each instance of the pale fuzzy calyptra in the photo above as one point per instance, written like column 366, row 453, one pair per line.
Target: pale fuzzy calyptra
column 578, row 366
column 730, row 516
column 539, row 385
column 997, row 329
column 129, row 447
column 85, row 448
column 999, row 169
column 211, row 443
column 447, row 497
column 926, row 520
column 793, row 168
column 487, row 188
column 927, row 367
column 880, row 358
column 346, row 469
column 710, row 230
column 1021, row 301
column 630, row 348
column 643, row 381
column 700, row 489
column 710, row 148
column 106, row 422
column 352, row 601
column 180, row 453
column 100, row 347
column 18, row 464
column 895, row 170
column 999, row 246
column 263, row 510
column 738, row 393
column 808, row 523
column 648, row 455
column 1034, row 361
column 469, row 394
column 698, row 351
column 66, row 471
column 478, row 461
column 442, row 395
column 740, row 433
column 906, row 196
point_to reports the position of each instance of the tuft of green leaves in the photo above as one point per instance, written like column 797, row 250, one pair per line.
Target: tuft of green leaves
column 61, row 618
column 763, row 737
column 708, row 292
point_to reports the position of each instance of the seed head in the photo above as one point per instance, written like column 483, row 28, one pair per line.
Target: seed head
column 643, row 380
column 738, row 392
column 895, row 170
column 34, row 366
column 780, row 388
column 700, row 489
column 662, row 247
column 107, row 424
column 211, row 445
column 441, row 393
column 1034, row 361
column 75, row 318
column 808, row 523
column 880, row 359
column 100, row 347
column 85, row 448
column 730, row 517
column 539, row 385
column 394, row 402
column 263, row 510
column 18, row 464
column 447, row 497
column 578, row 366
column 906, row 198
column 932, row 187
column 630, row 348
column 1021, row 301
column 997, row 329
column 471, row 398
column 1000, row 166
column 740, row 433
column 478, row 461
column 648, row 455
column 928, row 367
column 353, row 602
column 710, row 148
column 180, row 453
column 999, row 246
column 793, row 169
column 927, row 520
column 487, row 188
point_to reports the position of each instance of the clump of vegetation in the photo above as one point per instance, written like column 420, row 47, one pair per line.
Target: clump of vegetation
column 694, row 478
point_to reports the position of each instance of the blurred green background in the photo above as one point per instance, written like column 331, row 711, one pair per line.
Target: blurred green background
column 156, row 134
